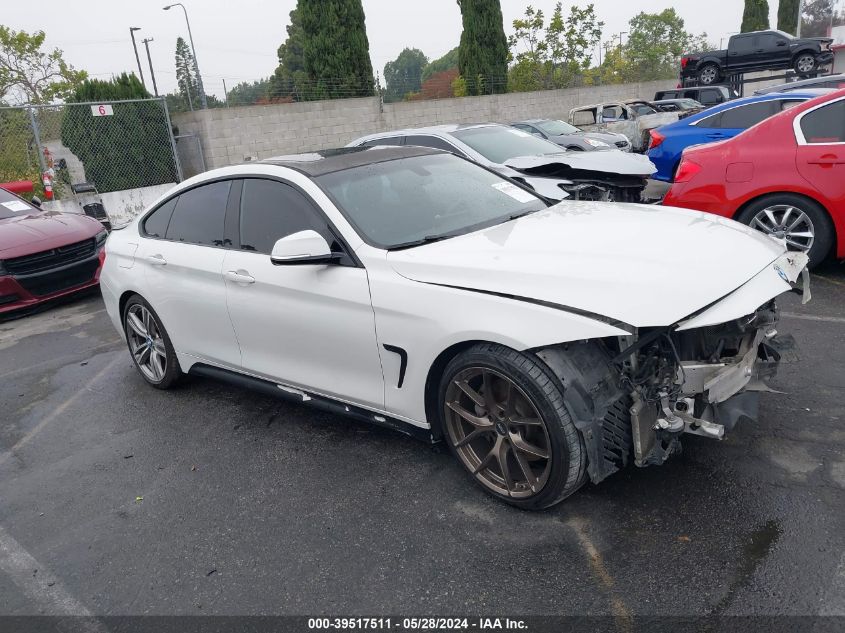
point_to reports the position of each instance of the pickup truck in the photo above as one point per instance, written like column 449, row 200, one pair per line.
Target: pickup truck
column 755, row 51
column 632, row 118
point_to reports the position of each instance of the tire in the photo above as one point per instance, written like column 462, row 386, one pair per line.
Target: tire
column 805, row 63
column 708, row 74
column 531, row 427
column 154, row 359
column 759, row 214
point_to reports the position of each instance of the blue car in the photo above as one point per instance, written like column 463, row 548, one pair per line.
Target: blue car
column 720, row 122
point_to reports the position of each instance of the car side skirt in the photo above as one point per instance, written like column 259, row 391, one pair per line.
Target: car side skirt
column 311, row 399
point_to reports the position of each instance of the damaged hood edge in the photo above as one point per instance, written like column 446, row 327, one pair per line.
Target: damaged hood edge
column 611, row 161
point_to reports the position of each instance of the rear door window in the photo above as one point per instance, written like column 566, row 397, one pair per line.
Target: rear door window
column 825, row 125
column 743, row 117
column 200, row 214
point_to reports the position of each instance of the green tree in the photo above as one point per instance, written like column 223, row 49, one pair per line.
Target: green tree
column 788, row 16
column 128, row 149
column 483, row 54
column 816, row 18
column 335, row 49
column 655, row 43
column 441, row 64
column 290, row 76
column 186, row 76
column 552, row 56
column 250, row 93
column 404, row 74
column 570, row 41
column 755, row 17
column 29, row 74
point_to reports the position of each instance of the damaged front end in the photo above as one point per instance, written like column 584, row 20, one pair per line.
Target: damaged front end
column 633, row 397
column 598, row 176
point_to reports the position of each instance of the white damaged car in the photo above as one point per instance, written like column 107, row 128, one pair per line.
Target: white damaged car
column 546, row 345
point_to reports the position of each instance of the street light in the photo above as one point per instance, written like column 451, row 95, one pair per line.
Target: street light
column 146, row 42
column 193, row 52
column 132, row 30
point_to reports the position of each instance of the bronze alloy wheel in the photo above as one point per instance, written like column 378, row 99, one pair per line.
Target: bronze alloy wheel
column 497, row 432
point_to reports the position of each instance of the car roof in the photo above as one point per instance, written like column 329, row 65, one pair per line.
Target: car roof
column 790, row 87
column 434, row 130
column 328, row 161
column 727, row 105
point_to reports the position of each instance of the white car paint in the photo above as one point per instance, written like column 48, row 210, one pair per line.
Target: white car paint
column 564, row 274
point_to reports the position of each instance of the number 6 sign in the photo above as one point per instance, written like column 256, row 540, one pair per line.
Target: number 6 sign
column 102, row 110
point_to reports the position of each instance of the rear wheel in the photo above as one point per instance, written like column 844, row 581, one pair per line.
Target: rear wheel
column 805, row 63
column 150, row 346
column 708, row 74
column 801, row 222
column 504, row 418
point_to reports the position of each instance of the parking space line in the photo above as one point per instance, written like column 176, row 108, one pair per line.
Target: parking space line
column 621, row 612
column 42, row 587
column 811, row 317
column 57, row 411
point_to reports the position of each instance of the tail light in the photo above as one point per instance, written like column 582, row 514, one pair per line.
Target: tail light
column 686, row 170
column 684, row 62
column 656, row 139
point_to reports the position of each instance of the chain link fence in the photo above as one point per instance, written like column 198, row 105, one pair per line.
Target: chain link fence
column 110, row 147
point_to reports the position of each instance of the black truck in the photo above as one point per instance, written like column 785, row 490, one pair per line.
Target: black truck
column 758, row 50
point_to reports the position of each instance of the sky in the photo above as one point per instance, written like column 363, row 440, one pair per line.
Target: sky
column 236, row 40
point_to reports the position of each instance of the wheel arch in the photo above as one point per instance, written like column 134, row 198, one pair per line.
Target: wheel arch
column 124, row 298
column 432, row 382
column 800, row 194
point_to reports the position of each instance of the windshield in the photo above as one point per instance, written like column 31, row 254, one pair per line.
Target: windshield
column 553, row 127
column 498, row 143
column 11, row 206
column 401, row 202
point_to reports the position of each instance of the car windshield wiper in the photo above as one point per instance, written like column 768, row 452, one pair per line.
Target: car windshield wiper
column 428, row 239
column 520, row 214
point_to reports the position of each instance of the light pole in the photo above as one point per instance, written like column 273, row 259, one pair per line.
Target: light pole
column 621, row 33
column 193, row 52
column 132, row 30
column 146, row 42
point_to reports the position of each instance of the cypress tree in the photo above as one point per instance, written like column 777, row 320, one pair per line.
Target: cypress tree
column 788, row 16
column 483, row 53
column 755, row 17
column 335, row 49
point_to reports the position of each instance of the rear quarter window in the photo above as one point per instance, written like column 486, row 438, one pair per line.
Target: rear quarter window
column 156, row 223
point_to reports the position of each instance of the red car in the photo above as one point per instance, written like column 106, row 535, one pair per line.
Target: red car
column 44, row 254
column 784, row 176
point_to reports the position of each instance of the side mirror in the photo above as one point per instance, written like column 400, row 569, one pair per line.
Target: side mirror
column 35, row 201
column 305, row 247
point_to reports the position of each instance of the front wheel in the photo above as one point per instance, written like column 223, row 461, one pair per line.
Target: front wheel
column 805, row 64
column 801, row 222
column 150, row 346
column 504, row 418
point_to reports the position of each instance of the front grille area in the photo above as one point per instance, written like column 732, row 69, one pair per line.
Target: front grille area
column 54, row 258
column 49, row 282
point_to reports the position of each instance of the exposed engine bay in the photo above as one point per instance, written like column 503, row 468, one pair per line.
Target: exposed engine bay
column 634, row 397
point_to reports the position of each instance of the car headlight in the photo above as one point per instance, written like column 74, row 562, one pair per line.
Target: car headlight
column 100, row 239
column 596, row 143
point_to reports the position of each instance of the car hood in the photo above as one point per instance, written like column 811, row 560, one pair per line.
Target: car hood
column 29, row 233
column 638, row 264
column 612, row 161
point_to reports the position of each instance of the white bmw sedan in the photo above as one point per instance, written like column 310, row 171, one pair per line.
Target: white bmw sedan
column 414, row 289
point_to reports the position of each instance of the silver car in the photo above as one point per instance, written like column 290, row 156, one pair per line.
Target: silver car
column 571, row 138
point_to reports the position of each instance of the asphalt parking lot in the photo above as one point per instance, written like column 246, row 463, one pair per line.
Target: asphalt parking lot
column 116, row 498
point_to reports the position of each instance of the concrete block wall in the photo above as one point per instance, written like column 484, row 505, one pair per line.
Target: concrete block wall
column 232, row 135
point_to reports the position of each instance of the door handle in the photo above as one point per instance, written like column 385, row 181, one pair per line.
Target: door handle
column 156, row 260
column 827, row 160
column 240, row 277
